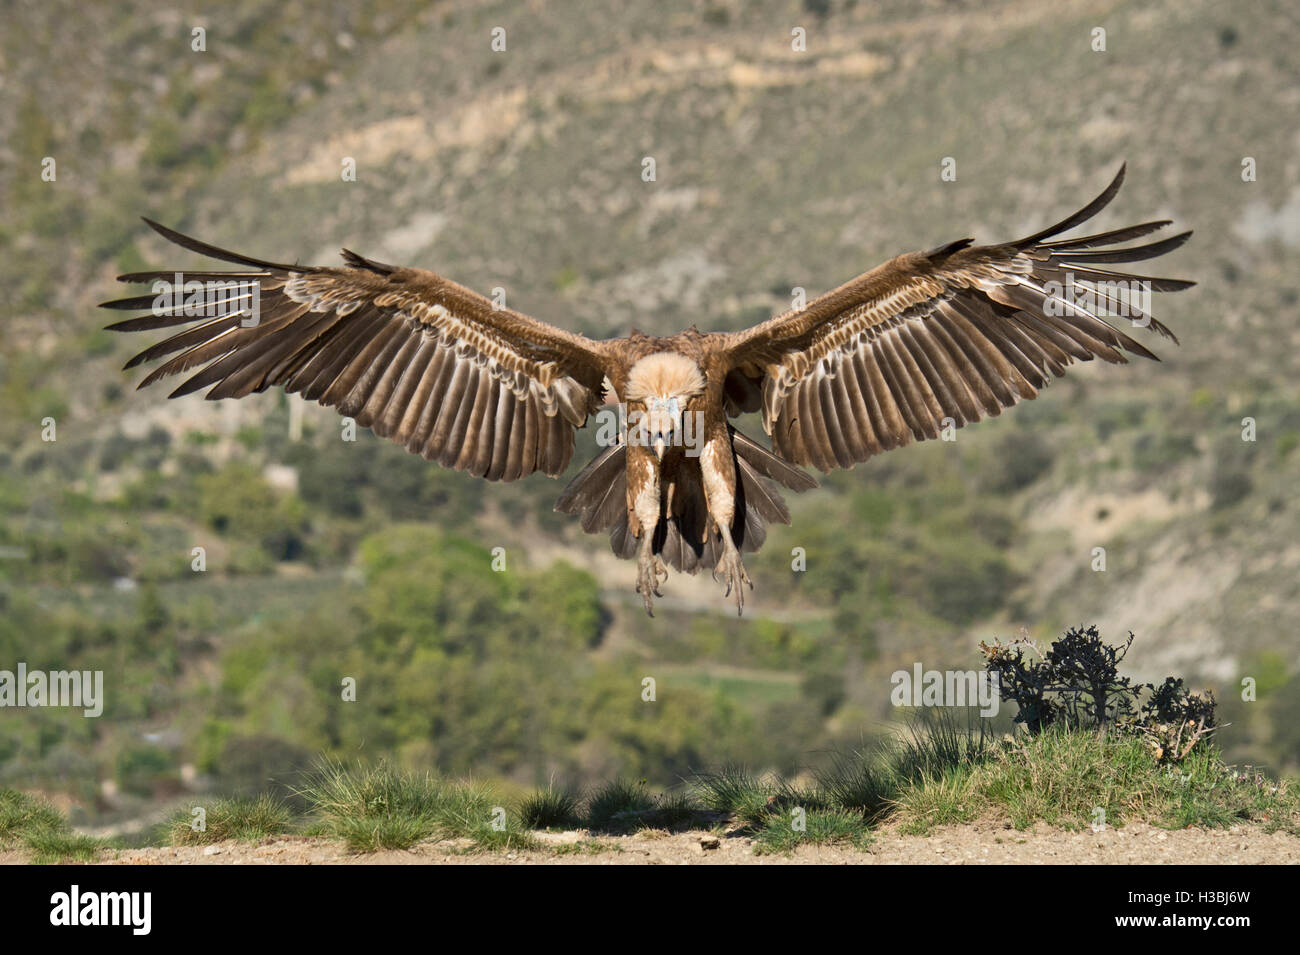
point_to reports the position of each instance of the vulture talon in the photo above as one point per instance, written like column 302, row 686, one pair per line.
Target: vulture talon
column 648, row 571
column 733, row 571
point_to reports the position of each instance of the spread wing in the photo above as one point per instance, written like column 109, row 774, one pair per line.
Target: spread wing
column 958, row 332
column 416, row 358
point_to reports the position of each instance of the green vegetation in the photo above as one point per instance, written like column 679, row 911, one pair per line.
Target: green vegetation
column 1097, row 749
column 30, row 823
column 1078, row 779
column 869, row 781
column 335, row 567
column 59, row 845
column 617, row 801
column 247, row 820
column 944, row 776
column 935, row 774
column 819, row 827
column 622, row 806
column 550, row 808
column 21, row 814
column 378, row 808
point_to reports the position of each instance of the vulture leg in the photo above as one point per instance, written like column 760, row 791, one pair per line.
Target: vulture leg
column 643, row 502
column 718, row 469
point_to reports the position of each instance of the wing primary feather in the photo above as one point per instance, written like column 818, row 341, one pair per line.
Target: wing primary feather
column 189, row 338
column 1083, row 215
column 1138, row 253
column 891, row 429
column 932, row 408
column 215, row 252
column 959, row 401
column 837, row 443
column 327, row 372
column 502, row 418
column 902, row 388
column 814, row 428
column 532, row 433
column 1108, row 238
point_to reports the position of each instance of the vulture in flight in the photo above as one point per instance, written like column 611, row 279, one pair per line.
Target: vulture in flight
column 925, row 342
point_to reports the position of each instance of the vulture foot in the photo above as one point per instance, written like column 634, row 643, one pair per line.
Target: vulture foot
column 731, row 570
column 651, row 572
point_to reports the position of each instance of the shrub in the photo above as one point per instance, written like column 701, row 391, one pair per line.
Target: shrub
column 1076, row 684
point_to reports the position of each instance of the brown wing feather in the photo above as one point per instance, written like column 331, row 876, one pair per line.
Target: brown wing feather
column 409, row 354
column 960, row 332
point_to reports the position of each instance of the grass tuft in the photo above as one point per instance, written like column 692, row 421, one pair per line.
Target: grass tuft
column 550, row 808
column 244, row 819
column 622, row 806
column 934, row 745
column 62, row 845
column 375, row 808
column 34, row 824
column 820, row 827
column 613, row 804
column 21, row 814
column 737, row 791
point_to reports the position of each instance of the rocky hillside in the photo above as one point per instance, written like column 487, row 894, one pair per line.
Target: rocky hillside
column 774, row 167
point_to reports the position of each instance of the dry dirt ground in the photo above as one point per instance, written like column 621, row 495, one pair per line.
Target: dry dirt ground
column 989, row 843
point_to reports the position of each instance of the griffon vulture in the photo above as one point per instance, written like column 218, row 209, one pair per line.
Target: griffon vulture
column 926, row 341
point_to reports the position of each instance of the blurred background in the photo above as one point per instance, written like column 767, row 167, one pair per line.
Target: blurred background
column 522, row 169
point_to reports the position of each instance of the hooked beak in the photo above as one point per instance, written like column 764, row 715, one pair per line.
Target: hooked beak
column 664, row 415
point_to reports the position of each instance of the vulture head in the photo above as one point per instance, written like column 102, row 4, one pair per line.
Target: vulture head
column 659, row 388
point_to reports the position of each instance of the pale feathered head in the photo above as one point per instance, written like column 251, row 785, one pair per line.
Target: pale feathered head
column 663, row 382
column 664, row 374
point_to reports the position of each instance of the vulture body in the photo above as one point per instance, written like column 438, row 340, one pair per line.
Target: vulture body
column 926, row 341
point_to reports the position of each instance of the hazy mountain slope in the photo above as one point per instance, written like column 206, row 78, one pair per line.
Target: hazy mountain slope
column 774, row 169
